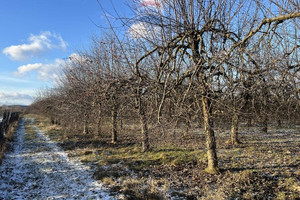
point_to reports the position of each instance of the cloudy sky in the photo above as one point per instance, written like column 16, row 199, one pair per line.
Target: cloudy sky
column 37, row 36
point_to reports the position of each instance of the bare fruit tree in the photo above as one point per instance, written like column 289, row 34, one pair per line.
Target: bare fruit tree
column 213, row 37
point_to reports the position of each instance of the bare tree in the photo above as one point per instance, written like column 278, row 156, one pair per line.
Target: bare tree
column 205, row 35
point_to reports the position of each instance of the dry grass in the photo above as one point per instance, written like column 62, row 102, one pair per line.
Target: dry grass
column 262, row 167
column 8, row 137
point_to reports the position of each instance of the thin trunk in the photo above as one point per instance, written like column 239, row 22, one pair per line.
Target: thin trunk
column 177, row 123
column 265, row 109
column 85, row 128
column 160, row 107
column 279, row 124
column 99, row 123
column 144, row 126
column 249, row 122
column 234, row 129
column 169, row 117
column 74, row 124
column 114, row 114
column 143, row 118
column 65, row 133
column 187, row 127
column 265, row 124
column 85, row 124
column 145, row 132
column 210, row 136
column 289, row 121
column 163, row 100
column 121, row 124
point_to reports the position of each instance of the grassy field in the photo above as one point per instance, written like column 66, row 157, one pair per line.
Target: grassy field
column 264, row 166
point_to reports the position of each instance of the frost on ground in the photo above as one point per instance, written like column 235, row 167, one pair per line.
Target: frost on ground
column 37, row 168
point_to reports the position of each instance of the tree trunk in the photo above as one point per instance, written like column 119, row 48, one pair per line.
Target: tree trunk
column 74, row 124
column 210, row 136
column 187, row 127
column 265, row 124
column 121, row 124
column 145, row 131
column 65, row 133
column 169, row 115
column 85, row 124
column 145, row 134
column 85, row 128
column 143, row 119
column 234, row 129
column 279, row 124
column 249, row 122
column 57, row 121
column 114, row 114
column 99, row 123
column 265, row 109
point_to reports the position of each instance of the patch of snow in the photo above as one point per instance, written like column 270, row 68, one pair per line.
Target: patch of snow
column 39, row 169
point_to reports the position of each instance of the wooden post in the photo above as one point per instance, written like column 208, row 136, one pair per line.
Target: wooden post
column 1, row 135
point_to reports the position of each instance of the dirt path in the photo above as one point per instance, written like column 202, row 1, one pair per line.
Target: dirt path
column 36, row 168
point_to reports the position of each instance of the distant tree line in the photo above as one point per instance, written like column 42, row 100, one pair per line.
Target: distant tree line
column 195, row 63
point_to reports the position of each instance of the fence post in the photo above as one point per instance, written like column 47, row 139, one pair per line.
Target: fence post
column 1, row 134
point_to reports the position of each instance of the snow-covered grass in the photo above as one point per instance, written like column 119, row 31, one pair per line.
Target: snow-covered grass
column 36, row 168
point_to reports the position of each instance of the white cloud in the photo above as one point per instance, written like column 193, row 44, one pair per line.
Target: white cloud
column 46, row 72
column 145, row 31
column 152, row 4
column 75, row 57
column 37, row 45
column 148, row 22
column 15, row 98
column 22, row 70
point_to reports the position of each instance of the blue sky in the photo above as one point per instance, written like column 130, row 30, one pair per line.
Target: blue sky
column 36, row 36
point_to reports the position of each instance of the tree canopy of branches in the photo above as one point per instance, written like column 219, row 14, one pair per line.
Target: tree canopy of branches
column 203, row 62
